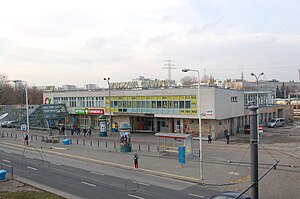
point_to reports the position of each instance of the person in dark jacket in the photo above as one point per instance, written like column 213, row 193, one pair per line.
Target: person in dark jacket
column 209, row 138
column 136, row 161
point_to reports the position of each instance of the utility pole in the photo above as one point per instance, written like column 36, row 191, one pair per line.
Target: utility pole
column 299, row 74
column 169, row 65
column 254, row 151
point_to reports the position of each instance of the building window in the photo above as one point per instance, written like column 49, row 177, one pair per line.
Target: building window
column 234, row 99
column 181, row 104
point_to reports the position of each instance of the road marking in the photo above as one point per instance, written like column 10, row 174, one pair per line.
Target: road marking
column 89, row 184
column 130, row 195
column 56, row 163
column 59, row 148
column 141, row 183
column 234, row 173
column 7, row 152
column 32, row 168
column 29, row 157
column 244, row 179
column 101, row 174
column 191, row 194
column 6, row 161
column 106, row 163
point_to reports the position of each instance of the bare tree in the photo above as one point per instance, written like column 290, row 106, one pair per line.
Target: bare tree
column 188, row 80
column 35, row 95
column 16, row 95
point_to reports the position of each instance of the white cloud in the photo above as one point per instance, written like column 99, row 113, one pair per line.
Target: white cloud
column 60, row 42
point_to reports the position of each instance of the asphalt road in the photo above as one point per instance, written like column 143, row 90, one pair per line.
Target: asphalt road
column 80, row 180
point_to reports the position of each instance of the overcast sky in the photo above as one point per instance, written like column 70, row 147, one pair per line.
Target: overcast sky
column 82, row 41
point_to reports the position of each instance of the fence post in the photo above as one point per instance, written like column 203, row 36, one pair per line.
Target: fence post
column 139, row 147
column 91, row 142
column 105, row 144
column 83, row 141
column 77, row 141
column 114, row 144
column 98, row 143
column 157, row 148
column 148, row 148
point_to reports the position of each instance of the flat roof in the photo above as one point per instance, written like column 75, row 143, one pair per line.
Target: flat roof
column 173, row 135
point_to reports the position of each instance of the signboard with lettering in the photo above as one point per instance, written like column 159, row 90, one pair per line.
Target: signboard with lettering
column 209, row 112
column 89, row 111
column 146, row 84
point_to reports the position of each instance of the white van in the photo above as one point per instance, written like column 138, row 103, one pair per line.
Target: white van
column 276, row 122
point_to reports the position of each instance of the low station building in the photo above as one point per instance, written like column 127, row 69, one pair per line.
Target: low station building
column 155, row 107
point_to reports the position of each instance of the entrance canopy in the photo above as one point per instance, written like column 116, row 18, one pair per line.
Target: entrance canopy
column 48, row 116
column 169, row 142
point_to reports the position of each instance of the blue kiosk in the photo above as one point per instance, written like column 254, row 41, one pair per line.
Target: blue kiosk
column 125, row 139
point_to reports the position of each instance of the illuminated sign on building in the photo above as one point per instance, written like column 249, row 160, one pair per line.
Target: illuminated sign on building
column 143, row 84
column 89, row 111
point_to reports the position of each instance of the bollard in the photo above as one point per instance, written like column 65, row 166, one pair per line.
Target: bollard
column 36, row 137
column 148, row 148
column 83, row 141
column 98, row 143
column 70, row 140
column 114, row 144
column 91, row 142
column 105, row 144
column 139, row 147
column 16, row 136
column 6, row 134
column 11, row 135
column 77, row 141
column 157, row 147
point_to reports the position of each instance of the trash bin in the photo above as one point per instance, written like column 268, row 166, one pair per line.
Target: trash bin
column 66, row 141
column 2, row 174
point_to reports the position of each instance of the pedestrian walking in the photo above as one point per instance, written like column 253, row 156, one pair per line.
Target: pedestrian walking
column 89, row 131
column 227, row 136
column 84, row 132
column 209, row 138
column 63, row 129
column 26, row 139
column 78, row 130
column 136, row 161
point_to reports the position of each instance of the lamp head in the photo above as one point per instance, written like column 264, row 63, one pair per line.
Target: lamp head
column 252, row 74
column 186, row 70
column 261, row 74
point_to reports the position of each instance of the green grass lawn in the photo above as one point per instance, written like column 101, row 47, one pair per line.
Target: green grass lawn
column 29, row 195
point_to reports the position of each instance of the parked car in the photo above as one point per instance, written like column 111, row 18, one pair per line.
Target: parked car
column 3, row 124
column 11, row 124
column 228, row 195
column 273, row 123
column 247, row 129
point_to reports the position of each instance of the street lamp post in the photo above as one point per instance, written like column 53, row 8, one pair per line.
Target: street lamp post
column 199, row 115
column 257, row 101
column 110, row 122
column 27, row 106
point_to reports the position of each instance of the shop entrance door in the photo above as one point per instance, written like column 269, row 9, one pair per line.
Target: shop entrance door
column 85, row 122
